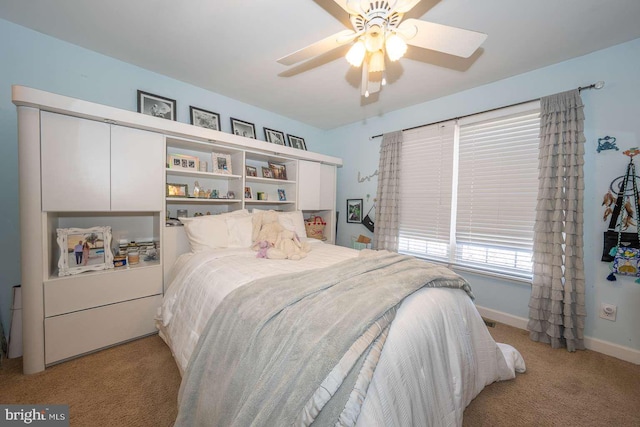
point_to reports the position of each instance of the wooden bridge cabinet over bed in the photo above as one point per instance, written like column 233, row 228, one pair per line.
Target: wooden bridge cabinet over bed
column 84, row 165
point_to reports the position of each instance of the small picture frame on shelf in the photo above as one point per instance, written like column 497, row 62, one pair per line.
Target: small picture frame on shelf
column 221, row 163
column 156, row 106
column 279, row 171
column 296, row 142
column 177, row 190
column 274, row 136
column 242, row 128
column 84, row 249
column 282, row 195
column 248, row 194
column 266, row 172
column 231, row 195
column 180, row 161
column 251, row 171
column 354, row 211
column 204, row 119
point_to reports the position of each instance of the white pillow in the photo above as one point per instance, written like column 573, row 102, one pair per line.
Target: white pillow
column 293, row 221
column 206, row 232
column 240, row 231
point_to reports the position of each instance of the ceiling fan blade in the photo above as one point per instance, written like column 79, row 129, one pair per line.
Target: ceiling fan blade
column 407, row 7
column 352, row 7
column 318, row 48
column 442, row 38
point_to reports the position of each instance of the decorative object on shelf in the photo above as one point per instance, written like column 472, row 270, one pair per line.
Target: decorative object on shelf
column 607, row 143
column 296, row 142
column 231, row 195
column 181, row 161
column 266, row 172
column 242, row 128
column 314, row 227
column 204, row 118
column 204, row 167
column 274, row 136
column 262, row 195
column 156, row 106
column 196, row 189
column 177, row 190
column 183, row 213
column 84, row 249
column 354, row 211
column 221, row 163
column 282, row 195
column 278, row 171
column 214, row 194
column 248, row 193
column 120, row 261
column 251, row 171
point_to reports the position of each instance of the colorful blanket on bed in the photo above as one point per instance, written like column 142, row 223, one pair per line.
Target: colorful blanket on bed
column 301, row 348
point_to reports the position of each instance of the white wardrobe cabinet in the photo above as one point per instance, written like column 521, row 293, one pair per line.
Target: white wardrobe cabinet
column 316, row 186
column 94, row 166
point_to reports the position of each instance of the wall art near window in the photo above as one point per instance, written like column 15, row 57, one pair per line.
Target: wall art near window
column 274, row 136
column 204, row 118
column 84, row 249
column 221, row 163
column 242, row 128
column 296, row 142
column 354, row 211
column 156, row 106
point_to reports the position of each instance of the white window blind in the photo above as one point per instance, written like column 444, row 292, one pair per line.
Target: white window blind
column 469, row 191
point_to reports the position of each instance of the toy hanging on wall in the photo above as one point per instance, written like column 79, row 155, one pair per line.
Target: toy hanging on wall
column 607, row 143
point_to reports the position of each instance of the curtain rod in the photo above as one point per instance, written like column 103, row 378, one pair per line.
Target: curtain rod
column 597, row 85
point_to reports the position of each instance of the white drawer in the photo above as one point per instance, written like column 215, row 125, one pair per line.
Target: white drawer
column 88, row 330
column 69, row 294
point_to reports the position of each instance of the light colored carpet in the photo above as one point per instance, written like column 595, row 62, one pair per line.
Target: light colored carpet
column 136, row 384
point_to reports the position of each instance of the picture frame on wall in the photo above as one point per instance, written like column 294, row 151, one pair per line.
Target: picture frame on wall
column 84, row 249
column 204, row 119
column 354, row 211
column 296, row 142
column 221, row 163
column 274, row 136
column 156, row 105
column 242, row 128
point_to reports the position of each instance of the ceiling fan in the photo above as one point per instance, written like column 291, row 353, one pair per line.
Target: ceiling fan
column 379, row 31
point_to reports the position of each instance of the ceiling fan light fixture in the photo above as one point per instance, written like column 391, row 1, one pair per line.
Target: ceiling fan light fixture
column 355, row 56
column 376, row 62
column 396, row 47
column 374, row 39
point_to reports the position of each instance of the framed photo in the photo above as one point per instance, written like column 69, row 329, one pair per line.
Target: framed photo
column 231, row 195
column 281, row 195
column 354, row 211
column 204, row 118
column 156, row 106
column 274, row 136
column 84, row 249
column 251, row 171
column 248, row 194
column 221, row 163
column 179, row 161
column 296, row 142
column 242, row 128
column 177, row 190
column 279, row 171
column 266, row 172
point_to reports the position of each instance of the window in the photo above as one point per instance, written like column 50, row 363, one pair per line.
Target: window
column 469, row 190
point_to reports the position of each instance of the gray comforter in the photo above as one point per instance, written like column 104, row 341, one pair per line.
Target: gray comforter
column 301, row 348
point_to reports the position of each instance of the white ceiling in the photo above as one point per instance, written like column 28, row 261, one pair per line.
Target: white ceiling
column 230, row 46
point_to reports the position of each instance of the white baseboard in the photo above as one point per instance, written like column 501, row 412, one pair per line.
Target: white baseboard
column 627, row 354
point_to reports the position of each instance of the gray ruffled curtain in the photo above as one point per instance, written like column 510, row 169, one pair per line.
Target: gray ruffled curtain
column 385, row 235
column 556, row 306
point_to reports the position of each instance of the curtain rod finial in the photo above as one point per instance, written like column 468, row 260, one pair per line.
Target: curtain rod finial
column 599, row 85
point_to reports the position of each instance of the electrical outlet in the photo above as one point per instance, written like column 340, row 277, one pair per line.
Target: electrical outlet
column 608, row 311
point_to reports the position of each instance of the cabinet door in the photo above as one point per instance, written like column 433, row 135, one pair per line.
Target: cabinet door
column 75, row 164
column 137, row 170
column 309, row 185
column 327, row 187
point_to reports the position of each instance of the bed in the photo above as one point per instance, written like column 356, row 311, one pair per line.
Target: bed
column 248, row 335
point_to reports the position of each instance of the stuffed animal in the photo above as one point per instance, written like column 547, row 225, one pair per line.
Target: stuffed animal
column 263, row 247
column 290, row 245
column 266, row 228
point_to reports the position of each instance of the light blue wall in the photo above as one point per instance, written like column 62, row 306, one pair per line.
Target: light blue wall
column 614, row 110
column 31, row 59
